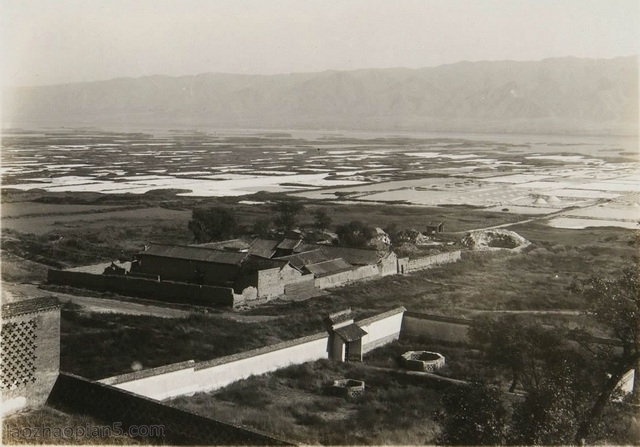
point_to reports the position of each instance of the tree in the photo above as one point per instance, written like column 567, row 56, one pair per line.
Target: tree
column 567, row 384
column 321, row 219
column 615, row 304
column 543, row 418
column 355, row 234
column 212, row 224
column 521, row 347
column 288, row 213
column 473, row 415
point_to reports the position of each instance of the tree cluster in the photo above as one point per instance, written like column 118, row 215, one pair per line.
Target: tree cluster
column 218, row 223
column 564, row 381
column 355, row 234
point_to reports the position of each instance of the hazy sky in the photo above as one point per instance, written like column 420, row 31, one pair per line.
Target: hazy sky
column 59, row 41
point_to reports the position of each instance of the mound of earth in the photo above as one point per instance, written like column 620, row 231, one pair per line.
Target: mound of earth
column 494, row 240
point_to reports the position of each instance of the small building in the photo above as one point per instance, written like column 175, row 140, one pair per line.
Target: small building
column 345, row 337
column 215, row 267
column 435, row 227
column 30, row 353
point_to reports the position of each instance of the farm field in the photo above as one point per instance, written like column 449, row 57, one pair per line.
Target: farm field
column 513, row 174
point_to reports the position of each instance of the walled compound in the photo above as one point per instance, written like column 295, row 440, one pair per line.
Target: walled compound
column 240, row 271
column 30, row 371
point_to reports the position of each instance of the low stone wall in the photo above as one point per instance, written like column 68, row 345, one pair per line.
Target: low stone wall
column 109, row 405
column 435, row 327
column 426, row 262
column 168, row 291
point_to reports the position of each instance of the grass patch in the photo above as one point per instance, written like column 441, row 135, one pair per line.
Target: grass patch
column 297, row 406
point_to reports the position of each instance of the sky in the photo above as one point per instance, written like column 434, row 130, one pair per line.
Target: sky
column 47, row 42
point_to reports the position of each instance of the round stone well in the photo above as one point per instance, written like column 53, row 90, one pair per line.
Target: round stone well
column 422, row 361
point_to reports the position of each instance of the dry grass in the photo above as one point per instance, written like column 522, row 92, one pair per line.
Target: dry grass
column 295, row 403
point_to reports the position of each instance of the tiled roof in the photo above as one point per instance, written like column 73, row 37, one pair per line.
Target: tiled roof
column 351, row 332
column 341, row 317
column 231, row 244
column 258, row 263
column 330, row 267
column 194, row 254
column 300, row 260
column 289, row 244
column 354, row 256
column 265, row 248
column 29, row 306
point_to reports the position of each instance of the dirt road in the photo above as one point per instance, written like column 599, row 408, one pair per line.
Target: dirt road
column 22, row 291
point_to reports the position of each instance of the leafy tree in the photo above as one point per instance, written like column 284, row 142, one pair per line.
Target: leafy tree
column 321, row 219
column 513, row 344
column 543, row 418
column 212, row 224
column 355, row 234
column 473, row 415
column 615, row 304
column 287, row 214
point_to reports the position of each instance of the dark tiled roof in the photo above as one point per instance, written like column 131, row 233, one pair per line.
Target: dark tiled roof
column 29, row 306
column 299, row 260
column 289, row 244
column 341, row 317
column 230, row 245
column 265, row 248
column 331, row 267
column 354, row 256
column 312, row 254
column 258, row 263
column 194, row 254
column 351, row 332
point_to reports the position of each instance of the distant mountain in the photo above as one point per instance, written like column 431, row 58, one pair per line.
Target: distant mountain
column 563, row 95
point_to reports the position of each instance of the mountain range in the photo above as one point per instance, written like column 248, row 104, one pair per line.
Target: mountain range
column 560, row 95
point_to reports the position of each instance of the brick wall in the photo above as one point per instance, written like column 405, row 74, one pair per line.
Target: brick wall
column 108, row 404
column 270, row 283
column 30, row 355
column 173, row 292
column 389, row 265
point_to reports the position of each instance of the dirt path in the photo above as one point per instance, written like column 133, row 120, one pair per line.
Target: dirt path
column 426, row 375
column 525, row 312
column 510, row 224
column 103, row 305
